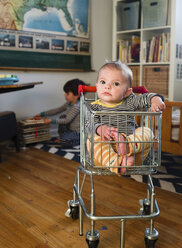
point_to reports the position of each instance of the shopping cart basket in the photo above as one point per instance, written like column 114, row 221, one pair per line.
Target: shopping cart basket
column 144, row 163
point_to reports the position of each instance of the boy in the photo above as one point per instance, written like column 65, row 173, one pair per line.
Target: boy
column 69, row 119
column 115, row 94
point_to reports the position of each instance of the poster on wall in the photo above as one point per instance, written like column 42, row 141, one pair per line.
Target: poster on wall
column 55, row 27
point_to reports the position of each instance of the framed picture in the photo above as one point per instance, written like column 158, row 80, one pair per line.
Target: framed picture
column 57, row 45
column 25, row 42
column 84, row 46
column 7, row 40
column 72, row 46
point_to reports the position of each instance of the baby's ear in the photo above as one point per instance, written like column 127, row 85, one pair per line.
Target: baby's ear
column 128, row 92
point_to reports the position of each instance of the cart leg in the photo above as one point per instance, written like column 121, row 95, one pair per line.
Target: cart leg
column 151, row 234
column 73, row 205
column 122, row 241
column 80, row 221
column 92, row 236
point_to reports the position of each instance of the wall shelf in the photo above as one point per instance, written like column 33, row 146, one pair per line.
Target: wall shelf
column 169, row 57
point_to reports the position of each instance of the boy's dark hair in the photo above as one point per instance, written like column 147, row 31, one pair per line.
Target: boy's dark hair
column 72, row 86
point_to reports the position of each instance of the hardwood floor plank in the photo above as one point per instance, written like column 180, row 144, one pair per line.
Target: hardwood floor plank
column 35, row 187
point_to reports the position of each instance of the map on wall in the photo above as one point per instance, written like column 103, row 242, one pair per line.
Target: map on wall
column 64, row 17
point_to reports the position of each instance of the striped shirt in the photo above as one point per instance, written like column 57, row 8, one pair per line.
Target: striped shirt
column 124, row 123
column 70, row 115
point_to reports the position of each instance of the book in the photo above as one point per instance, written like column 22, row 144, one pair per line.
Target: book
column 144, row 57
column 135, row 48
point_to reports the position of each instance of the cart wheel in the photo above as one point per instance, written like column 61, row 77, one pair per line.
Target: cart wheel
column 74, row 212
column 92, row 244
column 92, row 239
column 150, row 243
column 146, row 206
column 151, row 237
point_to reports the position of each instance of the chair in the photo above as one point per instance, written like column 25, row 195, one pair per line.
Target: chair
column 8, row 129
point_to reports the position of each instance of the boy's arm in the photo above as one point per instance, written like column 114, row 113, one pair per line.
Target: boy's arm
column 54, row 111
column 70, row 115
column 51, row 112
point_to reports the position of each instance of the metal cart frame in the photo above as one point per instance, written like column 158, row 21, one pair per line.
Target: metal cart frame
column 149, row 209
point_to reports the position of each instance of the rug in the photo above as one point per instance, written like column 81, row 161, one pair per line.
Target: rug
column 169, row 176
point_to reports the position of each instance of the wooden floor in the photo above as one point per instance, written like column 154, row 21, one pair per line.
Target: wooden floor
column 35, row 187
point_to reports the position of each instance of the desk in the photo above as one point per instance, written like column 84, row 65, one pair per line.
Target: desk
column 15, row 87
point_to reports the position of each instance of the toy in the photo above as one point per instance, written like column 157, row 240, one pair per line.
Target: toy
column 8, row 79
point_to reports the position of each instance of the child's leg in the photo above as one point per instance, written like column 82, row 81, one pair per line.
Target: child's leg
column 62, row 128
column 121, row 145
column 71, row 138
column 140, row 150
column 104, row 155
column 127, row 161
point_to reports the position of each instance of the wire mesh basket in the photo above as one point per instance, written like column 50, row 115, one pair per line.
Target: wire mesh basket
column 142, row 140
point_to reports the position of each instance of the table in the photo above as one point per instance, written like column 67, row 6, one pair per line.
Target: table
column 18, row 86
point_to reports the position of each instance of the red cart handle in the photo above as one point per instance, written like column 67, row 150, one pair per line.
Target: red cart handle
column 84, row 89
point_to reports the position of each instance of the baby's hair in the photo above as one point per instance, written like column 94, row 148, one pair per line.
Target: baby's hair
column 125, row 70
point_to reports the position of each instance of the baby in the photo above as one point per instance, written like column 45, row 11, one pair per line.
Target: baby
column 114, row 90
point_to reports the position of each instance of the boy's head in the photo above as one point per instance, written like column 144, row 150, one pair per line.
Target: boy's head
column 71, row 90
column 114, row 82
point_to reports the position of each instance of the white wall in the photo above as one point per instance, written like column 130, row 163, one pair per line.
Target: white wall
column 29, row 102
column 178, row 35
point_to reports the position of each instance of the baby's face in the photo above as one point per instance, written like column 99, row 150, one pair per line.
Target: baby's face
column 111, row 86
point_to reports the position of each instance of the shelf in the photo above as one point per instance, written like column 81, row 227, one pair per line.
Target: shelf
column 155, row 63
column 133, row 64
column 133, row 31
column 156, row 28
column 138, row 31
column 159, row 43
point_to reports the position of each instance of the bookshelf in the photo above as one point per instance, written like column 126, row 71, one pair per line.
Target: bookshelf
column 157, row 59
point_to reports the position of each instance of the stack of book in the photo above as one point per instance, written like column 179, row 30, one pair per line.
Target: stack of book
column 32, row 131
column 157, row 49
column 128, row 51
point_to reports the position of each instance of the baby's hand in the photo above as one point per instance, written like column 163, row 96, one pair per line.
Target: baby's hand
column 47, row 121
column 106, row 132
column 157, row 104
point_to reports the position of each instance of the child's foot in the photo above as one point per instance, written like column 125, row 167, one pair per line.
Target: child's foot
column 122, row 147
column 57, row 140
column 127, row 161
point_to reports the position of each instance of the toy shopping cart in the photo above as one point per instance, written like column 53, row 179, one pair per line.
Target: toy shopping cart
column 142, row 149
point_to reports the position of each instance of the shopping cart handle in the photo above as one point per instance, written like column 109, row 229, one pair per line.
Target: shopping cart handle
column 84, row 89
